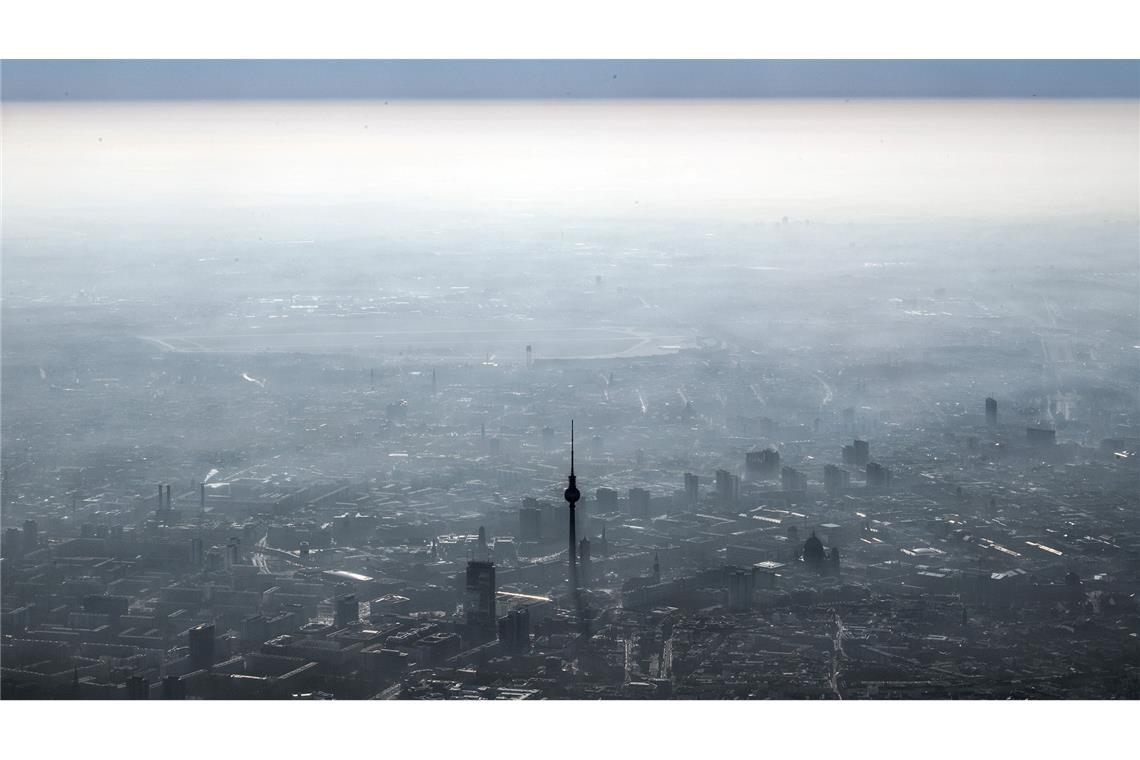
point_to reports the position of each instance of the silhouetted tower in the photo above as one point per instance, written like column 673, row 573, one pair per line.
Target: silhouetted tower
column 529, row 357
column 433, row 385
column 991, row 412
column 346, row 611
column 656, row 568
column 692, row 488
column 31, row 536
column 480, row 602
column 572, row 495
column 201, row 640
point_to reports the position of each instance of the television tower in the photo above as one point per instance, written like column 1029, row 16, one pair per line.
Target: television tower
column 572, row 495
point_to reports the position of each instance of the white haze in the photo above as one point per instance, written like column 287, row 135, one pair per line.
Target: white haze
column 263, row 169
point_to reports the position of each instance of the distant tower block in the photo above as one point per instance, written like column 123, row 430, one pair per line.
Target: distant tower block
column 479, row 606
column 529, row 356
column 991, row 412
column 692, row 488
column 433, row 383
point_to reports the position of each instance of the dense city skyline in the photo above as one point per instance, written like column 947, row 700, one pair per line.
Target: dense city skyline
column 570, row 380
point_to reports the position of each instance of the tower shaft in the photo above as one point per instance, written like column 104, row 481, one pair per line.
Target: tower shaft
column 573, row 552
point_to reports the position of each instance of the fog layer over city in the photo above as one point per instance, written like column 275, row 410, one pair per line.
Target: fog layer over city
column 370, row 323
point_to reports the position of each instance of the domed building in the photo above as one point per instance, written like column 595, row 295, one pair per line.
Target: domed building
column 813, row 552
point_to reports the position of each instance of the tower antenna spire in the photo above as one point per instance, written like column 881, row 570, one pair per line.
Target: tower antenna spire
column 571, row 447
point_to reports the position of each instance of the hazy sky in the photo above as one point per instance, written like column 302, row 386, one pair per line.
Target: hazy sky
column 277, row 79
column 317, row 167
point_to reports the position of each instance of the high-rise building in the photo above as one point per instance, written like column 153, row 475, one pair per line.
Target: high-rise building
column 254, row 630
column 31, row 536
column 13, row 543
column 740, row 585
column 762, row 465
column 692, row 489
column 639, row 500
column 727, row 487
column 607, row 500
column 346, row 611
column 514, row 631
column 1035, row 437
column 862, row 453
column 202, row 646
column 197, row 551
column 792, row 480
column 877, row 475
column 991, row 412
column 835, row 480
column 479, row 606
